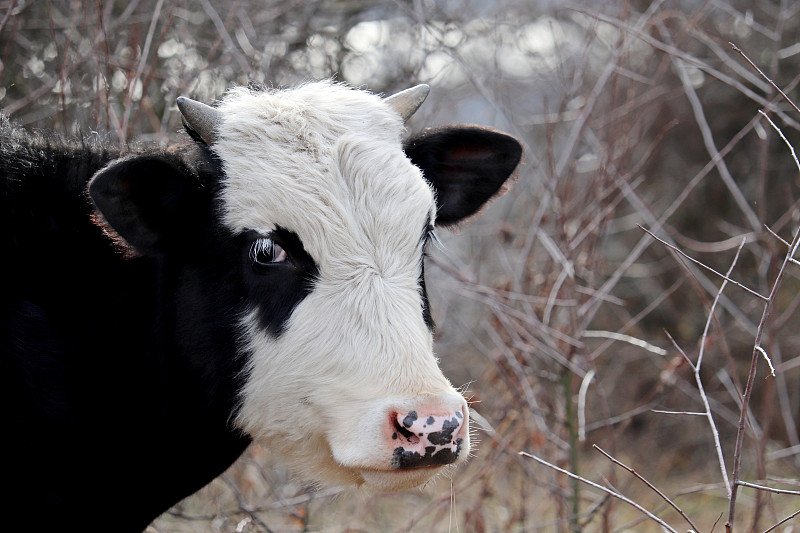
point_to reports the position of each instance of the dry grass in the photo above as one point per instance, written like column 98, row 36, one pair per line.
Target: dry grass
column 625, row 295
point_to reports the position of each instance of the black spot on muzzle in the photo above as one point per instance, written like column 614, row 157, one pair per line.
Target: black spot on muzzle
column 445, row 436
column 403, row 459
column 410, row 418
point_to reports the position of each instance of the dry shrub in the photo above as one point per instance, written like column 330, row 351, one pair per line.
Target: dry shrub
column 575, row 308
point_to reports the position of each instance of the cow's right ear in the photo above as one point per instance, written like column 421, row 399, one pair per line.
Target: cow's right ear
column 151, row 201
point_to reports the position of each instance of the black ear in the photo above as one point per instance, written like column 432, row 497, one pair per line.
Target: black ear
column 466, row 165
column 152, row 201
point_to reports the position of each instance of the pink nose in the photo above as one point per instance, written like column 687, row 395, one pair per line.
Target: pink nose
column 426, row 440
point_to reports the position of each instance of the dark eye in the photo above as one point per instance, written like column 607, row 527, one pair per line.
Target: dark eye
column 265, row 252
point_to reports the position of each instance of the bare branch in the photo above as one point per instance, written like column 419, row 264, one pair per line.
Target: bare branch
column 769, row 489
column 691, row 413
column 767, row 359
column 792, row 259
column 699, row 381
column 624, row 338
column 752, row 376
column 587, row 380
column 608, row 491
column 783, row 521
column 711, row 147
column 134, row 82
column 701, row 264
column 652, row 487
column 737, row 49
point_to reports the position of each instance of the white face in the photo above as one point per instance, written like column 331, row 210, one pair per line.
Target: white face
column 349, row 390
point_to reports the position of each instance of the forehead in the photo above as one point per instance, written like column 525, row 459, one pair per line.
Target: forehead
column 322, row 160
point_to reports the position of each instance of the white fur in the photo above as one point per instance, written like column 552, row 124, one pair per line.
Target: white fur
column 326, row 162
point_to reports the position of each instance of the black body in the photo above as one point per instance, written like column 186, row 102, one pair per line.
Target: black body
column 117, row 373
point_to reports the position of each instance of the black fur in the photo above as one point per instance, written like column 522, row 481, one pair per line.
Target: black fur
column 466, row 166
column 119, row 375
column 276, row 290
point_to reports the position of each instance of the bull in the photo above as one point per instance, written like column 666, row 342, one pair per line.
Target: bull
column 260, row 281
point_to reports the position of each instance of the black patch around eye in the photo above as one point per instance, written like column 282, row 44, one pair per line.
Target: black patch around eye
column 276, row 290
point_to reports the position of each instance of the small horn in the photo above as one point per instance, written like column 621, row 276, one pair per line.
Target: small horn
column 408, row 101
column 201, row 118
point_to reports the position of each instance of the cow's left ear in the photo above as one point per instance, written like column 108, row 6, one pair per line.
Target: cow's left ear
column 152, row 201
column 466, row 165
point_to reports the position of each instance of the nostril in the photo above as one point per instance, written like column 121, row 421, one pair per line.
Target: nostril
column 402, row 429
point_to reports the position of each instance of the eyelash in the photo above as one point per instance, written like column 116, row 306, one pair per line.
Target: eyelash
column 267, row 246
column 433, row 238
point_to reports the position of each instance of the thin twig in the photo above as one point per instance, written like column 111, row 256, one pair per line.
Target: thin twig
column 701, row 264
column 731, row 81
column 783, row 521
column 737, row 49
column 599, row 88
column 587, row 380
column 652, row 487
column 708, row 139
column 132, row 84
column 750, row 381
column 680, row 350
column 624, row 338
column 714, row 247
column 655, row 303
column 769, row 489
column 782, row 136
column 763, row 352
column 725, row 379
column 783, row 241
column 714, row 526
column 591, row 306
column 690, row 413
column 613, row 493
column 612, row 420
column 699, row 381
column 219, row 24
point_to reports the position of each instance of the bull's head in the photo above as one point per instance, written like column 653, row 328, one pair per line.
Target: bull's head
column 331, row 210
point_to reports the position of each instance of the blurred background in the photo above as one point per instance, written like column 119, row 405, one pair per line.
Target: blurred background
column 575, row 310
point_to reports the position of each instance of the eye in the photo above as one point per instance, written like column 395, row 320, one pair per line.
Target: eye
column 265, row 252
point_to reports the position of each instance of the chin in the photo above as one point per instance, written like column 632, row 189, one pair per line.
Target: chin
column 371, row 478
column 392, row 480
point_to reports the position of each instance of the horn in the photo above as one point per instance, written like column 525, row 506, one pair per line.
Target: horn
column 408, row 101
column 201, row 118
